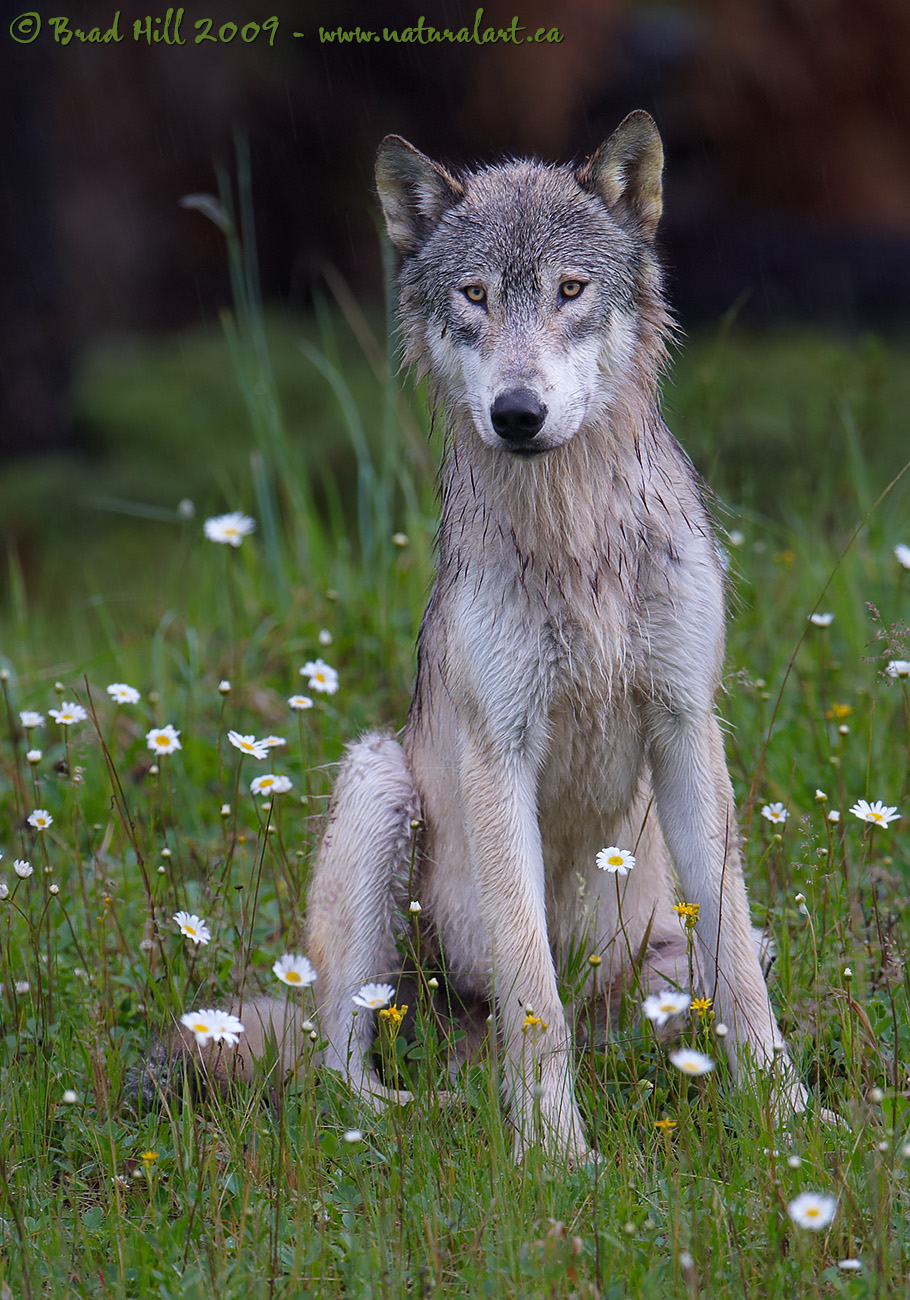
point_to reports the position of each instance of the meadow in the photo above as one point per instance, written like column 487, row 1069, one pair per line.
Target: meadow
column 293, row 1189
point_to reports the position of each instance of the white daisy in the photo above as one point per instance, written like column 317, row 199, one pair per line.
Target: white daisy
column 659, row 1007
column 414, row 907
column 300, row 702
column 34, row 755
column 834, row 816
column 123, row 694
column 31, row 718
column 320, row 677
column 193, row 927
column 821, row 620
column 213, row 1027
column 294, row 969
column 812, row 1210
column 691, row 1062
column 40, row 819
column 270, row 784
column 898, row 668
column 67, row 714
column 163, row 740
column 248, row 744
column 374, row 996
column 353, row 1135
column 22, row 868
column 902, row 554
column 325, row 637
column 874, row 813
column 274, row 742
column 850, row 1265
column 618, row 861
column 775, row 812
column 229, row 529
column 4, row 891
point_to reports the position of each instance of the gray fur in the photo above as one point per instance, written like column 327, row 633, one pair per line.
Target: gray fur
column 573, row 644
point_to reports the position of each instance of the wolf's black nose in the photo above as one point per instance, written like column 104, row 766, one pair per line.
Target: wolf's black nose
column 518, row 415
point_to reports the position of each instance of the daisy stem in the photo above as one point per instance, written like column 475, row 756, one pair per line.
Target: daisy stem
column 221, row 729
column 304, row 751
column 284, row 867
column 906, row 705
column 822, row 673
column 236, row 645
column 235, row 808
column 249, row 921
column 878, row 919
column 622, row 924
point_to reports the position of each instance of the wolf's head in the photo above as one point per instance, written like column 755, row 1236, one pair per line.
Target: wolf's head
column 525, row 289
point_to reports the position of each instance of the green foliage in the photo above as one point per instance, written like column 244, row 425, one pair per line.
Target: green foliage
column 268, row 1192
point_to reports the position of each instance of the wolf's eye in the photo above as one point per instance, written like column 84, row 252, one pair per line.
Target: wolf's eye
column 571, row 288
column 475, row 293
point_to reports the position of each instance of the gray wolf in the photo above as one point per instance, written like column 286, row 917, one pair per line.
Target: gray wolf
column 571, row 650
column 568, row 660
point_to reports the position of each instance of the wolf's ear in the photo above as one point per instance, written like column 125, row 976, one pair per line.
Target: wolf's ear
column 413, row 190
column 626, row 170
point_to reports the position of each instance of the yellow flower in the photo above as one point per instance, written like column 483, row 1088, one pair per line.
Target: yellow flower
column 530, row 1022
column 393, row 1016
column 595, row 959
column 688, row 912
column 665, row 1125
column 701, row 1005
column 149, row 1158
column 838, row 711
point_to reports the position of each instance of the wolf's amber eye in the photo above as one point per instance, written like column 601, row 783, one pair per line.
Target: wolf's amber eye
column 475, row 293
column 571, row 288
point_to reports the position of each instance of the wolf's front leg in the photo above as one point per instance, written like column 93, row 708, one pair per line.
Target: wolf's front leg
column 507, row 864
column 698, row 817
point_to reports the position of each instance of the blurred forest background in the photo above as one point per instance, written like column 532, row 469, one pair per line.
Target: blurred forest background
column 786, row 125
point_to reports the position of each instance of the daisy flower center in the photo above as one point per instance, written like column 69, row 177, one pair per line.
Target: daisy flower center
column 200, row 1027
column 614, row 860
column 292, row 977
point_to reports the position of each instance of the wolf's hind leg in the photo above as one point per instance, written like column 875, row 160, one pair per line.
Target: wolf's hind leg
column 357, row 897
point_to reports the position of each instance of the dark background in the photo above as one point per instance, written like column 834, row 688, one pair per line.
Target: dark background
column 786, row 123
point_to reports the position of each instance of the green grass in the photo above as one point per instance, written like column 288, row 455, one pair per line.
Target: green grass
column 259, row 1194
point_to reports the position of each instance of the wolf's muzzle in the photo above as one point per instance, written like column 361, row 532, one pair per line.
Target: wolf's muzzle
column 518, row 415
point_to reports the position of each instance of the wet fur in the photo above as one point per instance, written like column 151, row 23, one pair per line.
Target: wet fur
column 570, row 653
column 568, row 660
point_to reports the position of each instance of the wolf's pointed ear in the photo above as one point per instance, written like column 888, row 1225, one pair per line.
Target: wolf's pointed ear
column 626, row 171
column 413, row 190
